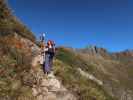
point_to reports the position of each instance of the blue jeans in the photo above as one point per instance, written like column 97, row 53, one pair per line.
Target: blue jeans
column 48, row 63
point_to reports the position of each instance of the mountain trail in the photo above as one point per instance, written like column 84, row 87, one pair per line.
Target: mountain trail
column 48, row 87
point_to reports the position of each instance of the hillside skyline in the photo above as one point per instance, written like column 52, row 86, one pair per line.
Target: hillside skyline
column 79, row 23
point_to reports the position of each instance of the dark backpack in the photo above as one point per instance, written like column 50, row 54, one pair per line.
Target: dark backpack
column 51, row 50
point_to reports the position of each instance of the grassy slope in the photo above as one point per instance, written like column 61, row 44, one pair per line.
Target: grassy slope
column 66, row 65
column 14, row 66
column 9, row 24
column 14, row 62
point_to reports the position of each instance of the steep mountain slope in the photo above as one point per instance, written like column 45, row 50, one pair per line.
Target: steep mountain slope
column 77, row 75
column 21, row 78
column 9, row 24
column 15, row 66
column 114, row 70
column 90, row 74
column 16, row 52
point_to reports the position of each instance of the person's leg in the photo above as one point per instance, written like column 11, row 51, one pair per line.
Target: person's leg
column 51, row 62
column 44, row 67
column 47, row 66
column 44, row 63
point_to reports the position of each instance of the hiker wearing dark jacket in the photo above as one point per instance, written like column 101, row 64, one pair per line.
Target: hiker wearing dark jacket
column 49, row 54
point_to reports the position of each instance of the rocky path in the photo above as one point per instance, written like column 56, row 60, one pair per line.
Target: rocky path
column 48, row 87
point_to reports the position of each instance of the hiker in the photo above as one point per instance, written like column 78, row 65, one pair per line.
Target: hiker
column 49, row 54
column 42, row 52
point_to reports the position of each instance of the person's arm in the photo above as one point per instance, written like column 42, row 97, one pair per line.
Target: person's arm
column 46, row 49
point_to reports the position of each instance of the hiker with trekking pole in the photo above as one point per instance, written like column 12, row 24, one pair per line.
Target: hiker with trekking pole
column 42, row 45
column 48, row 55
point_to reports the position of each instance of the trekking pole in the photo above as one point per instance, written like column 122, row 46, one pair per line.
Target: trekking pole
column 42, row 47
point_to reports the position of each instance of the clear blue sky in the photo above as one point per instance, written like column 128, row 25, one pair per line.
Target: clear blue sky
column 77, row 23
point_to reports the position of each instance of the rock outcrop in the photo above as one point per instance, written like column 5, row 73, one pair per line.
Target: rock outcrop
column 89, row 76
column 94, row 51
